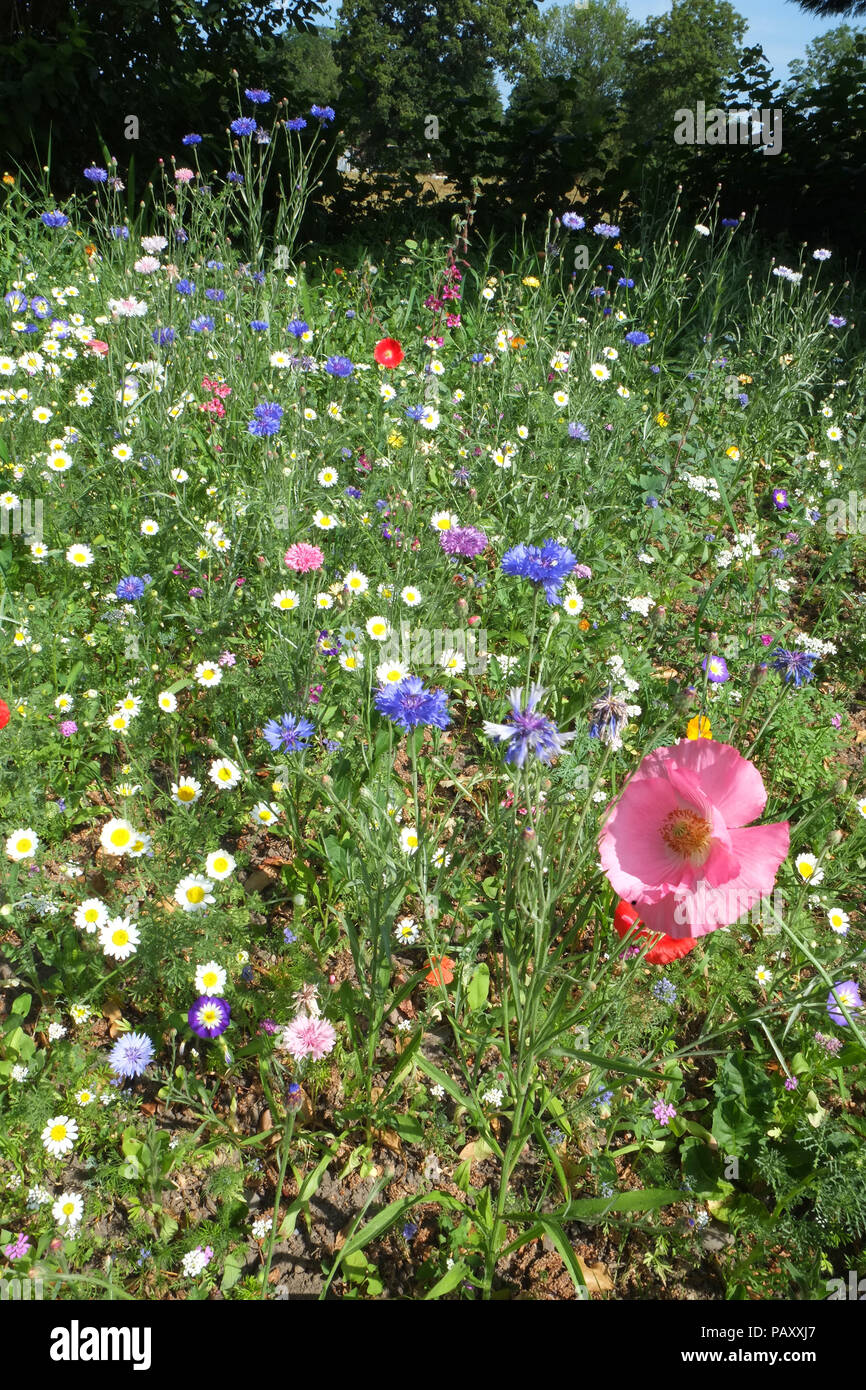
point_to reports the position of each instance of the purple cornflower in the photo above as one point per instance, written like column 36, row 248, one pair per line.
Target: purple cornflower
column 68, row 728
column 845, row 993
column 54, row 219
column 663, row 1113
column 163, row 337
column 288, row 734
column 234, row 177
column 837, row 321
column 606, row 229
column 578, row 431
column 209, row 1016
column 637, row 337
column 19, row 1247
column 297, row 328
column 191, row 140
column 131, row 1054
column 267, row 419
column 597, row 292
column 409, row 704
column 527, row 731
column 546, row 565
column 203, row 324
column 339, row 366
column 625, row 283
column 780, row 498
column 573, row 221
column 463, row 540
column 296, row 123
column 716, row 668
column 325, row 114
column 289, row 936
column 797, row 666
column 244, row 125
column 216, row 295
column 414, row 412
column 257, row 96
column 185, row 286
column 258, row 325
column 95, row 174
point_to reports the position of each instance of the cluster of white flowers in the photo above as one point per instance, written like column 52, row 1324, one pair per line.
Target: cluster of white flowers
column 744, row 546
column 617, row 666
column 640, row 605
column 815, row 645
column 785, row 273
column 698, row 483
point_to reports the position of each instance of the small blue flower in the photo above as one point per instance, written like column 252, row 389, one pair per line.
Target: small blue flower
column 131, row 1054
column 191, row 140
column 637, row 337
column 296, row 123
column 546, row 565
column 267, row 419
column 257, row 96
column 797, row 666
column 624, row 283
column 578, row 431
column 409, row 704
column 216, row 295
column 163, row 337
column 325, row 114
column 55, row 219
column 526, row 731
column 130, row 588
column 339, row 366
column 259, row 326
column 288, row 734
column 233, row 177
column 244, row 125
column 606, row 229
column 185, row 286
column 120, row 233
column 204, row 324
column 95, row 174
column 297, row 328
column 573, row 221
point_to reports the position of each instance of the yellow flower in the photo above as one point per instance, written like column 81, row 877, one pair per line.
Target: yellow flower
column 732, row 453
column 532, row 281
column 662, row 419
column 699, row 727
column 10, row 179
column 396, row 440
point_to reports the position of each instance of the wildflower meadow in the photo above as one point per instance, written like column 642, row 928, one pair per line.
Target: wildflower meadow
column 432, row 811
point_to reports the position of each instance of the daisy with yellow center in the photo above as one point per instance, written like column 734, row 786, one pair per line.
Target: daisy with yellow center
column 22, row 844
column 119, row 938
column 194, row 893
column 186, row 790
column 219, row 865
column 117, row 835
column 210, row 979
column 59, row 1136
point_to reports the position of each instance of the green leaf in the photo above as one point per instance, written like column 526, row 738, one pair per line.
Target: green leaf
column 21, row 1006
column 479, row 988
column 232, row 1270
column 650, row 1199
column 449, row 1281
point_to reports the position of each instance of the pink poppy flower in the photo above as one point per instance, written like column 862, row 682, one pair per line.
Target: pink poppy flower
column 309, row 1037
column 302, row 557
column 677, row 842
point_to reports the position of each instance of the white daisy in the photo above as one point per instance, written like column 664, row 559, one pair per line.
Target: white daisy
column 210, row 979
column 194, row 893
column 117, row 836
column 219, row 865
column 185, row 791
column 22, row 844
column 208, row 673
column 59, row 1136
column 224, row 773
column 91, row 915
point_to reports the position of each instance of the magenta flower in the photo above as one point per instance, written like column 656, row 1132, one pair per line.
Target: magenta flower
column 677, row 843
column 18, row 1249
column 664, row 1113
column 309, row 1037
column 68, row 728
column 302, row 557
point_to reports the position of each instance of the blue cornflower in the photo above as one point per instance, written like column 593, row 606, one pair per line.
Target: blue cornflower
column 409, row 704
column 232, row 177
column 609, row 716
column 597, row 292
column 130, row 588
column 637, row 337
column 624, row 283
column 578, row 431
column 477, row 357
column 414, row 412
column 55, row 219
column 259, row 326
column 163, row 337
column 203, row 324
column 730, row 222
column 185, row 286
column 216, row 295
column 652, row 501
column 191, row 140
column 258, row 276
column 339, row 366
column 95, row 174
column 654, row 369
column 267, row 419
column 410, row 1230
column 743, row 399
column 215, row 265
column 665, row 990
column 120, row 233
column 777, row 552
column 244, row 125
column 350, row 313
column 837, row 321
column 606, row 229
column 297, row 328
column 573, row 221
column 288, row 734
column 354, row 492
column 322, row 113
column 131, row 1054
column 546, row 565
column 796, row 665
column 296, row 123
column 181, row 236
column 257, row 96
column 527, row 731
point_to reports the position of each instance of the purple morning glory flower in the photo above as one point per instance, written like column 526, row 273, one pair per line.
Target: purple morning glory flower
column 131, row 1054
column 547, row 565
column 463, row 540
column 846, row 993
column 527, row 731
column 780, row 498
column 288, row 734
column 797, row 666
column 716, row 668
column 209, row 1016
column 409, row 704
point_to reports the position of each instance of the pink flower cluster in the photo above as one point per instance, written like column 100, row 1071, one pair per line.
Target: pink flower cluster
column 302, row 557
column 309, row 1037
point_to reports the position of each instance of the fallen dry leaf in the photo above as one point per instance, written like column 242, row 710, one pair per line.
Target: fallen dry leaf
column 597, row 1278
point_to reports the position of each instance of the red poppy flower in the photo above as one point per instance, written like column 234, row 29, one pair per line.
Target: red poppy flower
column 666, row 949
column 442, row 972
column 5, row 714
column 388, row 352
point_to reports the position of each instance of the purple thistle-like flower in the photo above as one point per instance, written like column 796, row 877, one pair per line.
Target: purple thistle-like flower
column 527, row 731
column 288, row 734
column 267, row 419
column 546, row 565
column 463, row 540
column 791, row 1083
column 578, row 431
column 837, row 321
column 797, row 666
column 846, row 993
column 131, row 1054
column 339, row 366
column 409, row 704
column 609, row 716
column 209, row 1016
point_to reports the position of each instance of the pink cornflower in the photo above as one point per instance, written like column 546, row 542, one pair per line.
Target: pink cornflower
column 146, row 265
column 183, row 175
column 677, row 843
column 302, row 557
column 309, row 1037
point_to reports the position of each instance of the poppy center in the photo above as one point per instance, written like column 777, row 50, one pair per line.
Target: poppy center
column 687, row 833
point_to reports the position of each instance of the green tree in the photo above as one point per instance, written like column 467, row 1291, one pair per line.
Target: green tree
column 822, row 57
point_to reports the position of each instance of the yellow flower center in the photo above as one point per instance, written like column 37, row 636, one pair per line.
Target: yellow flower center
column 220, row 865
column 209, row 980
column 58, row 1132
column 25, row 844
column 120, row 836
column 195, row 895
column 91, row 915
column 120, row 937
column 185, row 793
column 68, row 1208
column 687, row 833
